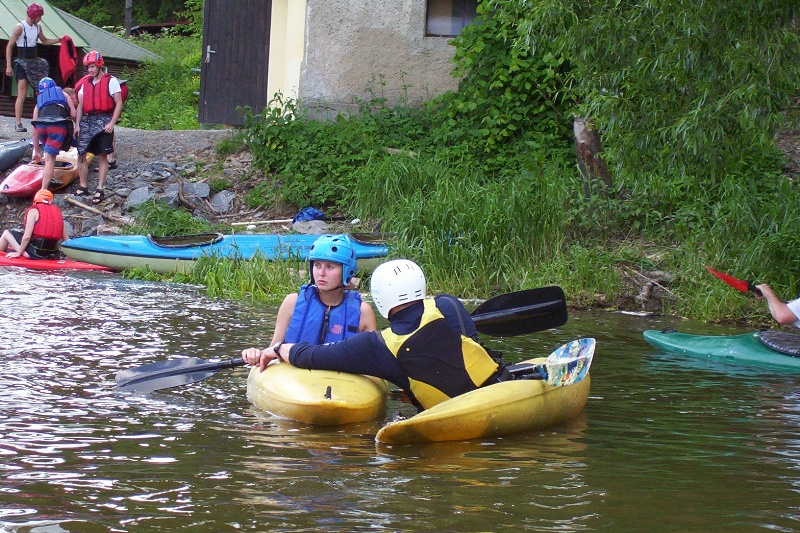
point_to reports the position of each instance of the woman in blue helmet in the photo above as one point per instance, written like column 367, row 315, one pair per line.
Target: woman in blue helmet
column 326, row 309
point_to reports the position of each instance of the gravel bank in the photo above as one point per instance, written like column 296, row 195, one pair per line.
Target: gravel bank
column 140, row 154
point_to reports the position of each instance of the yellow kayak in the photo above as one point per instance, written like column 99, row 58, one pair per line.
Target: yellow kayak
column 500, row 409
column 319, row 397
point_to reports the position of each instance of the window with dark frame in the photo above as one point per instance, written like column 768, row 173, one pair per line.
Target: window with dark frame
column 446, row 18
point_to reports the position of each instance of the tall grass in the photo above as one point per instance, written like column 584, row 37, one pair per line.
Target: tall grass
column 256, row 279
column 476, row 236
column 157, row 218
column 473, row 236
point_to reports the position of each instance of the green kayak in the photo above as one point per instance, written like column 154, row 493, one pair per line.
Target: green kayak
column 746, row 349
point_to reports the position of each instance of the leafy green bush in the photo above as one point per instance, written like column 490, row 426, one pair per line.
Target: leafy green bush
column 162, row 92
column 505, row 93
column 314, row 160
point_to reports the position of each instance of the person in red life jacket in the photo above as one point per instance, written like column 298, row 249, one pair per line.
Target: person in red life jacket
column 29, row 66
column 326, row 309
column 431, row 348
column 52, row 126
column 44, row 231
column 112, row 157
column 99, row 109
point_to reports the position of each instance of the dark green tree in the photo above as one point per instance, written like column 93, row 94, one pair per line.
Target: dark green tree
column 112, row 12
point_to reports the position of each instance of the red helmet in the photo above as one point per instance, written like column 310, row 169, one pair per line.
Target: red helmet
column 93, row 57
column 35, row 10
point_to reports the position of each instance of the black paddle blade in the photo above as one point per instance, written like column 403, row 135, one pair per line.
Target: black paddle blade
column 522, row 312
column 171, row 373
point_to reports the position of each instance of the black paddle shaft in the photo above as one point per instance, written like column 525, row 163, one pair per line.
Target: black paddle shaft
column 522, row 312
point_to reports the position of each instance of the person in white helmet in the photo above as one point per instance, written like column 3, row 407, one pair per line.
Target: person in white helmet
column 431, row 348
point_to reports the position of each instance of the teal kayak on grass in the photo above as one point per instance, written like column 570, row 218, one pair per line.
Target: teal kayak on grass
column 179, row 253
column 742, row 349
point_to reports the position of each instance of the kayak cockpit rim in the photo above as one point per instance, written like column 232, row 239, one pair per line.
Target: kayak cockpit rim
column 186, row 241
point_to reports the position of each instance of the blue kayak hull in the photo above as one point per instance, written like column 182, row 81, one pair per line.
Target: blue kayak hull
column 129, row 251
column 11, row 152
column 739, row 349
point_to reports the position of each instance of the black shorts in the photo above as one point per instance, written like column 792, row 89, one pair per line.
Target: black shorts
column 102, row 143
column 52, row 252
column 21, row 74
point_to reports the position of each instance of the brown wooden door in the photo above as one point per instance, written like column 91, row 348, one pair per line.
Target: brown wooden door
column 235, row 59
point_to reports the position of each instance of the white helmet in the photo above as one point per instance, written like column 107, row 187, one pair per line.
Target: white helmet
column 396, row 282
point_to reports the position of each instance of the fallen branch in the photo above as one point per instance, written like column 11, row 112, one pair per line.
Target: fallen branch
column 259, row 222
column 661, row 277
column 96, row 211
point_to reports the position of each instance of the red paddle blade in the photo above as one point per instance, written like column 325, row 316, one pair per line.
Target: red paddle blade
column 737, row 284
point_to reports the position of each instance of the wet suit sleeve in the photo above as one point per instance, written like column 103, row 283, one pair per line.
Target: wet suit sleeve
column 364, row 353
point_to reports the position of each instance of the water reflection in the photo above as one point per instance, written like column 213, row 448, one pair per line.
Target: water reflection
column 666, row 443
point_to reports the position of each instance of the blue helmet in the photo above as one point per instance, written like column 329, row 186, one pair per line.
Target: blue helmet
column 45, row 84
column 337, row 249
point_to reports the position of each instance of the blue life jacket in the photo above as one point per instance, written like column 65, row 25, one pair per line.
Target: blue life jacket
column 309, row 318
column 51, row 95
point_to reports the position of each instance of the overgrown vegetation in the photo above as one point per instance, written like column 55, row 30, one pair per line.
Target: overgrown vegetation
column 688, row 100
column 112, row 12
column 481, row 185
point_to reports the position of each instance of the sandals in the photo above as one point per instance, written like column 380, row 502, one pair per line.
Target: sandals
column 99, row 196
column 111, row 166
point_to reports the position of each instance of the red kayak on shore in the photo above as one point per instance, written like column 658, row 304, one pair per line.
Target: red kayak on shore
column 48, row 264
column 26, row 179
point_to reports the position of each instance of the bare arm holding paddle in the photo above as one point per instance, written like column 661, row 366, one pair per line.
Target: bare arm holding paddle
column 782, row 312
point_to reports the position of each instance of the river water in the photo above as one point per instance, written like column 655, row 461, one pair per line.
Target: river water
column 666, row 443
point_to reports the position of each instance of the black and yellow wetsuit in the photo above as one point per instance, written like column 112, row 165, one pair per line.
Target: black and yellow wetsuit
column 440, row 362
column 429, row 350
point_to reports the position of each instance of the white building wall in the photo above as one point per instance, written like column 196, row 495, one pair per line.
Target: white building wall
column 358, row 50
column 287, row 45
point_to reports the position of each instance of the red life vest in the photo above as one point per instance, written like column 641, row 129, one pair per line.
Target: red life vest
column 96, row 98
column 50, row 224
